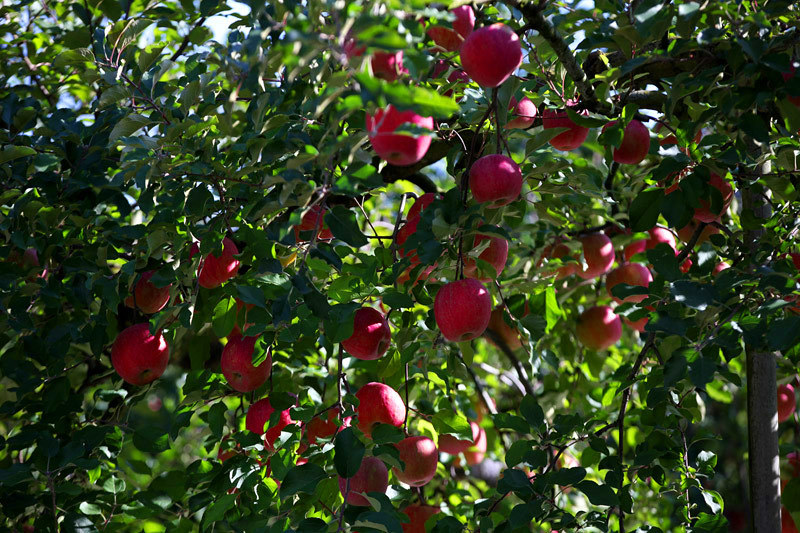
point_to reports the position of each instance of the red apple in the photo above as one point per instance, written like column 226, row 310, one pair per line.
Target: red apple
column 372, row 476
column 686, row 232
column 420, row 456
column 371, row 335
column 146, row 296
column 496, row 254
column 225, row 452
column 398, row 148
column 598, row 252
column 138, row 356
column 787, row 402
column 453, row 446
column 657, row 235
column 630, row 274
column 388, row 65
column 495, row 179
column 476, row 452
column 559, row 251
column 216, row 270
column 319, row 427
column 635, row 143
column 462, row 309
column 524, row 113
column 418, row 515
column 719, row 267
column 237, row 364
column 598, row 327
column 420, row 204
column 313, row 219
column 703, row 213
column 505, row 333
column 638, row 325
column 566, row 140
column 379, row 403
column 258, row 414
column 491, row 54
column 452, row 39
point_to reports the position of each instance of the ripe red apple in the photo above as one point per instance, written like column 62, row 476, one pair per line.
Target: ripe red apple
column 216, row 270
column 496, row 179
column 598, row 327
column 719, row 267
column 420, row 204
column 524, row 113
column 388, row 65
column 496, row 254
column 635, row 143
column 462, row 309
column 657, row 235
column 566, row 140
column 313, row 219
column 146, row 296
column 319, row 427
column 420, row 456
column 139, row 357
column 598, row 252
column 453, row 446
column 508, row 335
column 787, row 402
column 371, row 335
column 398, row 148
column 477, row 451
column 418, row 514
column 491, row 54
column 237, row 364
column 452, row 39
column 559, row 250
column 638, row 325
column 372, row 476
column 703, row 213
column 258, row 414
column 686, row 232
column 630, row 274
column 379, row 403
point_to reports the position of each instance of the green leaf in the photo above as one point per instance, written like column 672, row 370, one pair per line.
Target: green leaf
column 114, row 485
column 568, row 476
column 692, row 294
column 224, row 317
column 645, row 209
column 397, row 300
column 303, row 478
column 127, row 127
column 450, row 422
column 152, row 439
column 75, row 523
column 348, row 453
column 216, row 511
column 342, row 223
column 598, row 494
column 791, row 495
column 532, row 411
column 11, row 152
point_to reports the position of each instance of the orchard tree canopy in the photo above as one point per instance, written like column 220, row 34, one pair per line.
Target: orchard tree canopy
column 399, row 266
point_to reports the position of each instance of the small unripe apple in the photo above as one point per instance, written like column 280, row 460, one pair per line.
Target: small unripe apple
column 259, row 413
column 491, row 54
column 420, row 456
column 452, row 39
column 216, row 270
column 418, row 515
column 496, row 254
column 372, row 476
column 703, row 213
column 598, row 327
column 598, row 252
column 453, row 446
column 379, row 403
column 313, row 219
column 237, row 364
column 566, row 140
column 462, row 309
column 787, row 402
column 388, row 65
column 524, row 113
column 398, row 148
column 630, row 274
column 635, row 143
column 138, row 356
column 146, row 296
column 371, row 335
column 495, row 179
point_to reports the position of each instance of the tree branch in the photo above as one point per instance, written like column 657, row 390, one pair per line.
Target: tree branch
column 185, row 42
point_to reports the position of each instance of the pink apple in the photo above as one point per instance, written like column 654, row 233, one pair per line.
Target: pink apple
column 495, row 179
column 388, row 65
column 657, row 235
column 420, row 456
column 418, row 515
column 453, row 446
column 477, row 451
column 379, row 403
column 638, row 325
column 560, row 251
column 319, row 427
column 371, row 335
column 598, row 327
column 598, row 252
column 630, row 274
column 452, row 39
column 524, row 113
column 496, row 254
column 566, row 140
column 216, row 270
column 372, row 476
column 703, row 213
column 398, row 148
column 146, row 296
column 237, row 364
column 787, row 402
column 313, row 219
column 491, row 54
column 138, row 356
column 259, row 413
column 462, row 309
column 686, row 232
column 719, row 267
column 420, row 204
column 635, row 143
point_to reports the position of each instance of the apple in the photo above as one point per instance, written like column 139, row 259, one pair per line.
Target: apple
column 313, row 219
column 598, row 327
column 787, row 402
column 686, row 232
column 155, row 403
column 491, row 54
column 524, row 113
column 566, row 140
column 237, row 364
column 686, row 265
column 452, row 39
column 598, row 252
column 418, row 515
column 138, row 356
column 420, row 457
column 319, row 427
column 146, row 296
column 495, row 178
column 638, row 325
column 259, row 413
column 630, row 274
column 635, row 143
column 703, row 213
column 561, row 251
column 657, row 235
column 787, row 522
column 794, row 463
column 398, row 148
column 453, row 446
column 477, row 451
column 496, row 254
column 422, row 203
column 505, row 333
column 215, row 270
column 462, row 309
column 226, row 451
column 388, row 65
column 372, row 476
column 379, row 403
column 719, row 267
column 371, row 335
column 670, row 139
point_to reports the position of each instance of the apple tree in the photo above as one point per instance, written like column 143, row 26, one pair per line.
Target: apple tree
column 399, row 266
